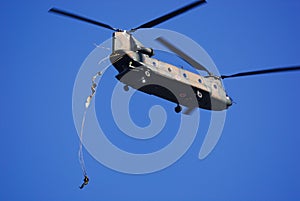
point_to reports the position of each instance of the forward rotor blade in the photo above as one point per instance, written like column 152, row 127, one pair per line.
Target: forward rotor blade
column 170, row 15
column 71, row 15
column 181, row 54
column 258, row 72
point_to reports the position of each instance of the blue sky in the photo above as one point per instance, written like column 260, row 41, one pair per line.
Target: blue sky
column 257, row 155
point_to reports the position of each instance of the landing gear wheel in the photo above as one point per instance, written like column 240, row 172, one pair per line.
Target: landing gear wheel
column 199, row 94
column 126, row 88
column 178, row 109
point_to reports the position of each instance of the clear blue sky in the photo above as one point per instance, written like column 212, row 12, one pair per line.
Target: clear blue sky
column 257, row 157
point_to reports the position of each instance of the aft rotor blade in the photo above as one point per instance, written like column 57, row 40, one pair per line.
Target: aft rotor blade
column 74, row 16
column 259, row 72
column 170, row 15
column 181, row 54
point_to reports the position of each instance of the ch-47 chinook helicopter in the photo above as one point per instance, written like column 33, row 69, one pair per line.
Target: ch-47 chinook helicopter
column 138, row 69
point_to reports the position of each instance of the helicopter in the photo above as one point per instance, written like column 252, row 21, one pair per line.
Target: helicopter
column 137, row 68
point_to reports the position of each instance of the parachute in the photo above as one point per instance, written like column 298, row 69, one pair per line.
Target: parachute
column 80, row 153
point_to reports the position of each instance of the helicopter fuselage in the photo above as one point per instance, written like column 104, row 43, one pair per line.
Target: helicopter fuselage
column 138, row 70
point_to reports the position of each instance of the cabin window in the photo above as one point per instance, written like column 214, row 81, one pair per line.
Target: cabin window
column 169, row 69
column 199, row 80
column 215, row 86
column 154, row 64
column 185, row 75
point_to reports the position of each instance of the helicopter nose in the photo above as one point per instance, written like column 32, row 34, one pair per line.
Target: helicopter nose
column 229, row 101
